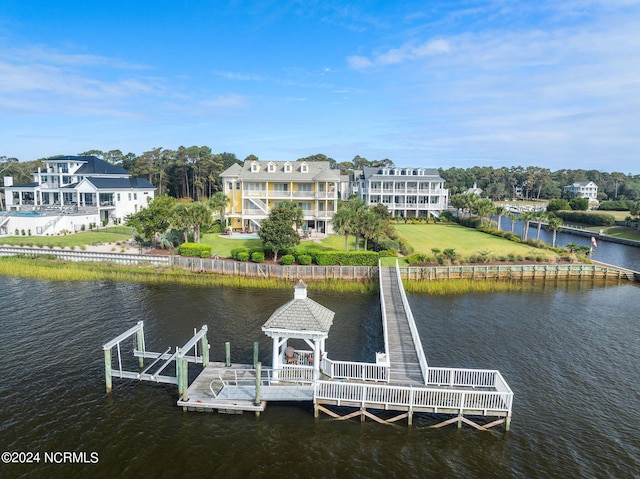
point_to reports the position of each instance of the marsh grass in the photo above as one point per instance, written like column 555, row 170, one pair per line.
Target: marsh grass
column 464, row 286
column 58, row 270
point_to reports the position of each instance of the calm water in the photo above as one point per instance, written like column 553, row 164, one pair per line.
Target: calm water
column 569, row 352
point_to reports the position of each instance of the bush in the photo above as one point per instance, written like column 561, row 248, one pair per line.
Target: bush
column 405, row 248
column 287, row 260
column 304, row 259
column 587, row 218
column 236, row 251
column 388, row 253
column 388, row 244
column 419, row 258
column 558, row 204
column 347, row 258
column 196, row 249
column 243, row 256
column 257, row 257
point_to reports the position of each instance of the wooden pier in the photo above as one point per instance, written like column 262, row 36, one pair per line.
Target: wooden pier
column 399, row 382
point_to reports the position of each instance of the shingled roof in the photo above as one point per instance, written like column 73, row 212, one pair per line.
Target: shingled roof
column 301, row 314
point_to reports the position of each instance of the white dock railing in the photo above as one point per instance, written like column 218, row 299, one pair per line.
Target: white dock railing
column 355, row 370
column 424, row 398
column 456, row 377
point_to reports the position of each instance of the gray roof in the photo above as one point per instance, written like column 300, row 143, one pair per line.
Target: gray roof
column 318, row 170
column 429, row 173
column 92, row 165
column 120, row 183
column 301, row 315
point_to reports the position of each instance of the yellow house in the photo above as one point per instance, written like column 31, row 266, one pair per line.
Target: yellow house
column 256, row 187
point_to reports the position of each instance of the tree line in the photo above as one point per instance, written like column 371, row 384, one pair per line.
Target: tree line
column 194, row 172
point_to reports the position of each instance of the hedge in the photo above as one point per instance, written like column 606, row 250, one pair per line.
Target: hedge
column 257, row 257
column 347, row 258
column 196, row 249
column 587, row 218
column 287, row 260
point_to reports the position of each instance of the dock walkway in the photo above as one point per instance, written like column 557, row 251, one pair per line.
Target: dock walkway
column 402, row 350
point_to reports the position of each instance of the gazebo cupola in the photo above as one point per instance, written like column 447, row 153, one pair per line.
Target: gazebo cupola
column 301, row 318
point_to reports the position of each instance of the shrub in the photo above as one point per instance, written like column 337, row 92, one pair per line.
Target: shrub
column 243, row 256
column 405, row 248
column 418, row 258
column 195, row 249
column 287, row 260
column 388, row 244
column 557, row 204
column 304, row 259
column 588, row 218
column 257, row 257
column 388, row 253
column 236, row 251
column 347, row 258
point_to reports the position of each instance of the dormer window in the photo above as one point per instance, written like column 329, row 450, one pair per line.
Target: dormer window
column 287, row 167
column 396, row 171
column 304, row 168
column 385, row 171
column 271, row 167
column 421, row 172
column 254, row 167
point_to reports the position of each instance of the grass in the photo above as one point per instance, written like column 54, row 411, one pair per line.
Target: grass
column 623, row 232
column 67, row 241
column 465, row 241
column 46, row 268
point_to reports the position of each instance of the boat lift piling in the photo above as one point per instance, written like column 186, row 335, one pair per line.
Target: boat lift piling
column 180, row 356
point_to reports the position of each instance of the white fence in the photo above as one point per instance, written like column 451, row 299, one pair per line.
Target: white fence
column 414, row 398
column 355, row 370
column 118, row 258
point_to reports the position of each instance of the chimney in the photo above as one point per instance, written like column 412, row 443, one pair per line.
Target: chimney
column 300, row 290
column 8, row 181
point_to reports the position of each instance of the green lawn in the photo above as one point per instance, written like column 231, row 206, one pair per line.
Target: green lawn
column 465, row 241
column 65, row 241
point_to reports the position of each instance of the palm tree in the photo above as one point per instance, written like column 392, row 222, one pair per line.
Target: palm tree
column 540, row 216
column 218, row 202
column 500, row 211
column 513, row 219
column 344, row 222
column 371, row 226
column 526, row 218
column 554, row 223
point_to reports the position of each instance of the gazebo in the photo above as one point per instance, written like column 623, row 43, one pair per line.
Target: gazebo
column 301, row 318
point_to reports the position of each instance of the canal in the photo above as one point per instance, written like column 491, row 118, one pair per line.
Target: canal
column 568, row 350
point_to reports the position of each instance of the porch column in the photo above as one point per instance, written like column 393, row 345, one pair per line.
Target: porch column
column 316, row 359
column 276, row 357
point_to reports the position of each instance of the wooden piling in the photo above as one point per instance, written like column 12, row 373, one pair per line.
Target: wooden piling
column 227, row 349
column 204, row 346
column 258, row 380
column 107, row 369
column 255, row 353
column 140, row 346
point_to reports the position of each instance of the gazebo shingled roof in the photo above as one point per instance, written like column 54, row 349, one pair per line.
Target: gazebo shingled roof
column 301, row 314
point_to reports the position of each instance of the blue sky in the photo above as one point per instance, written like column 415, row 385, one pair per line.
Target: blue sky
column 550, row 83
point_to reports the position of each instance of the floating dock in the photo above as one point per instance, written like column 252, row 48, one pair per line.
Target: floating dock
column 400, row 381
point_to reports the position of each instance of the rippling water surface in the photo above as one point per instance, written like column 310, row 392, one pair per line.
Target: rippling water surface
column 570, row 352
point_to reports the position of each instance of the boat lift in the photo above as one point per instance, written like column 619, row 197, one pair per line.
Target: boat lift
column 164, row 359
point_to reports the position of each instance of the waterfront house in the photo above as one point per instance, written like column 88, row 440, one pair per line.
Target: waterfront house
column 72, row 192
column 406, row 192
column 584, row 189
column 257, row 186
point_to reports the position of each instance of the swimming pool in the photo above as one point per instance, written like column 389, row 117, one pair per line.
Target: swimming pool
column 243, row 236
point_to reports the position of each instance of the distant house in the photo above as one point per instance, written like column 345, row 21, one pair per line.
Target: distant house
column 583, row 189
column 70, row 192
column 475, row 190
column 406, row 192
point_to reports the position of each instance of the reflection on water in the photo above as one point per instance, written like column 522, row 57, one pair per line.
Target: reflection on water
column 569, row 352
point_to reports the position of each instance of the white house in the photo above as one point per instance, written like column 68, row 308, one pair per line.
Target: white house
column 407, row 192
column 70, row 192
column 584, row 189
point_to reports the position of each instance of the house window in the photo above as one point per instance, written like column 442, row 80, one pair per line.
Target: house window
column 271, row 168
column 135, row 196
column 304, row 187
column 254, row 167
column 287, row 167
column 237, row 185
column 118, row 197
column 230, row 185
column 304, row 168
column 129, row 196
column 281, row 187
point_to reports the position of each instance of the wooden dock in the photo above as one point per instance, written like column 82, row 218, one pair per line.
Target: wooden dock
column 399, row 382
